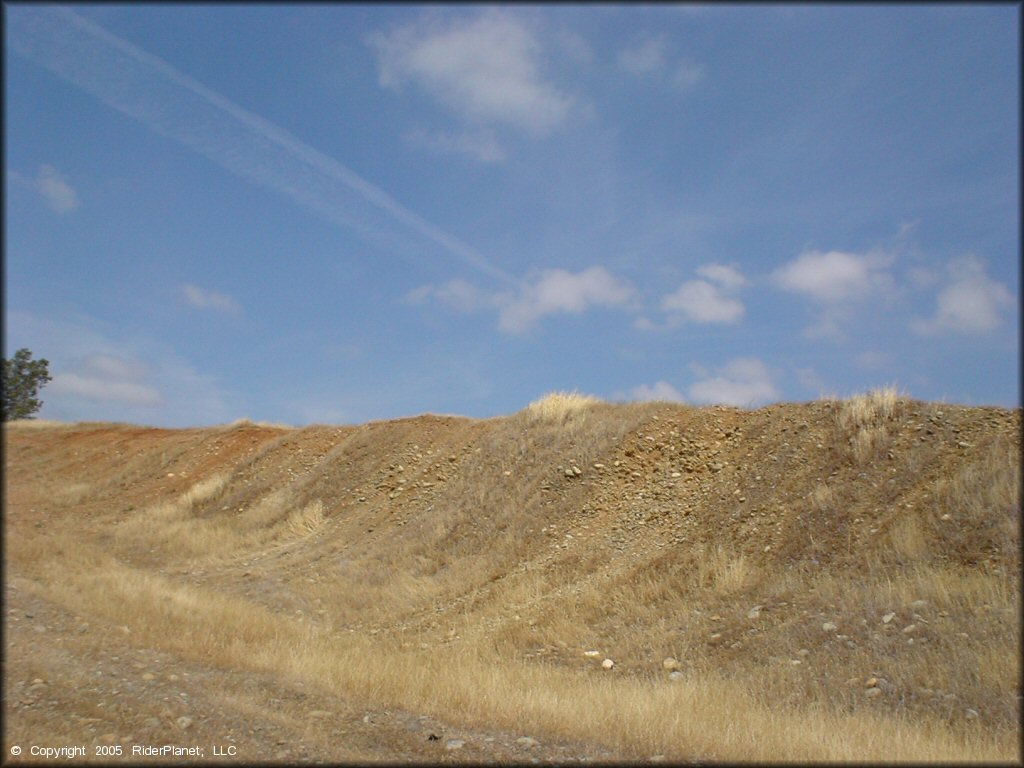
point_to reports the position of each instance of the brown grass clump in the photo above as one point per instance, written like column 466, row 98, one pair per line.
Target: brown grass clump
column 863, row 422
column 560, row 406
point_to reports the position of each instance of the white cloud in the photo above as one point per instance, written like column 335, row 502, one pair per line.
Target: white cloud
column 971, row 303
column 480, row 145
column 834, row 276
column 53, row 188
column 644, row 56
column 745, row 381
column 661, row 390
column 701, row 301
column 557, row 291
column 726, row 276
column 486, row 69
column 552, row 292
column 107, row 378
column 204, row 299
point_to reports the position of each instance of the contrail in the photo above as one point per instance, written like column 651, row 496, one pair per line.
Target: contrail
column 174, row 105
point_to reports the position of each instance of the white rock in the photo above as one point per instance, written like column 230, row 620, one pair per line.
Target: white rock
column 454, row 744
column 591, row 653
column 677, row 675
column 607, row 664
column 527, row 741
column 755, row 612
column 670, row 664
column 184, row 722
column 888, row 617
column 828, row 626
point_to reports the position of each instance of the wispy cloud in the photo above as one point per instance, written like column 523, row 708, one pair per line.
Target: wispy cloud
column 103, row 373
column 971, row 302
column 557, row 291
column 53, row 188
column 744, row 381
column 648, row 56
column 643, row 56
column 486, row 69
column 107, row 378
column 660, row 391
column 481, row 145
column 174, row 105
column 204, row 299
column 551, row 292
column 687, row 75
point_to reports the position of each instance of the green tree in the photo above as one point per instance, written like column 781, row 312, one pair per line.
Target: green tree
column 23, row 377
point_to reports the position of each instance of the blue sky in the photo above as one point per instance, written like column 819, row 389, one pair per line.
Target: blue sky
column 340, row 213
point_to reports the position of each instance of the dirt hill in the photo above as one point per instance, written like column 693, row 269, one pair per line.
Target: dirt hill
column 579, row 580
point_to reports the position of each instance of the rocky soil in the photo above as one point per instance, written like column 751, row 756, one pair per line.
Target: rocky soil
column 505, row 526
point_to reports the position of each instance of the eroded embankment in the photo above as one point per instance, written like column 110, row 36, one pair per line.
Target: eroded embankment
column 853, row 559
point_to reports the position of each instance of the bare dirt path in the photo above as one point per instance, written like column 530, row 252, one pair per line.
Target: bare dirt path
column 74, row 681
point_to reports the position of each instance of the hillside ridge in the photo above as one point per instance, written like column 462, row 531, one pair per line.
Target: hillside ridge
column 730, row 542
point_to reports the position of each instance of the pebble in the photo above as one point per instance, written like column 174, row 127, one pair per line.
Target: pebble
column 670, row 664
column 888, row 617
column 454, row 744
column 755, row 612
column 607, row 664
column 184, row 722
column 828, row 626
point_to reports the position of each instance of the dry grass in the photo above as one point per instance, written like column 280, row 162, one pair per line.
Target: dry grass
column 38, row 424
column 246, row 422
column 472, row 557
column 560, row 406
column 710, row 715
column 863, row 422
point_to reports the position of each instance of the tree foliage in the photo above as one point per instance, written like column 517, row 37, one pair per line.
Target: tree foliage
column 23, row 377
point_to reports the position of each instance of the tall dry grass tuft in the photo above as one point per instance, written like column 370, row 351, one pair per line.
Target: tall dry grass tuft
column 38, row 424
column 862, row 422
column 560, row 406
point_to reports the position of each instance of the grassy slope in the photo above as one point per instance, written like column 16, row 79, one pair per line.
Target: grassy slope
column 790, row 559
